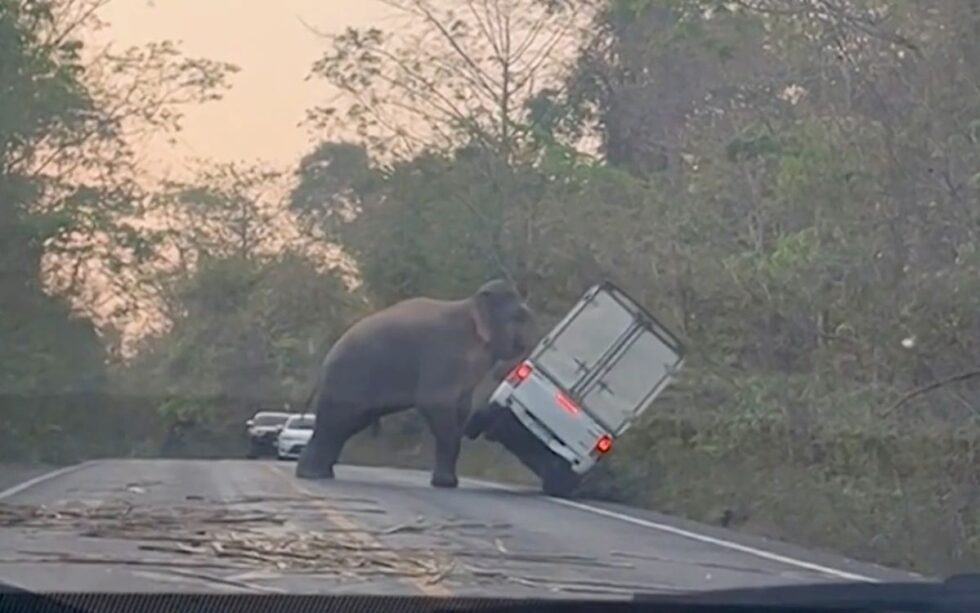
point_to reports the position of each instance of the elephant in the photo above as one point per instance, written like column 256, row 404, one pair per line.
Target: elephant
column 423, row 353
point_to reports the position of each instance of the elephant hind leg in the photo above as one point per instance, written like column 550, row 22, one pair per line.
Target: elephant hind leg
column 445, row 429
column 334, row 427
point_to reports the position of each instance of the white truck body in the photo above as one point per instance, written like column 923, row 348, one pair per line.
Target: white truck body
column 591, row 376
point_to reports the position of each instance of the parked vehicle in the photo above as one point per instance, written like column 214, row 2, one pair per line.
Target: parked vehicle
column 295, row 435
column 263, row 429
column 582, row 386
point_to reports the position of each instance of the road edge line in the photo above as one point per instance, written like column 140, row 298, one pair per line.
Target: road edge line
column 719, row 542
column 25, row 485
column 703, row 538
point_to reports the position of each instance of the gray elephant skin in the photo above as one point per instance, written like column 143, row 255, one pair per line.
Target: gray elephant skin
column 423, row 353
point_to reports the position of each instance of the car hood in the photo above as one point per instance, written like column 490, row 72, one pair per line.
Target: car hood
column 956, row 593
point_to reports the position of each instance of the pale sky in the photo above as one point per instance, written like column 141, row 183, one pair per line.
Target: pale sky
column 258, row 118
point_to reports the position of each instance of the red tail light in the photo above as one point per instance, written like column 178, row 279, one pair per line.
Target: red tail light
column 519, row 373
column 604, row 444
column 566, row 403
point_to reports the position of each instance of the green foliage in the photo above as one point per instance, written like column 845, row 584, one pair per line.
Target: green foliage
column 42, row 92
column 250, row 332
column 425, row 226
column 67, row 184
column 42, row 346
column 184, row 411
column 793, row 190
column 67, row 176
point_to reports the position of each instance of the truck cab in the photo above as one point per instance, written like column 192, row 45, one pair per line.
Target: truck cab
column 582, row 386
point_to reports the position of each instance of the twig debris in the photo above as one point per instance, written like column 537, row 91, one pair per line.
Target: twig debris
column 223, row 535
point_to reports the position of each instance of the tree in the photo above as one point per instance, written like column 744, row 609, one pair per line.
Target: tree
column 248, row 305
column 412, row 228
column 71, row 120
column 248, row 331
column 457, row 101
column 244, row 335
column 68, row 172
column 226, row 212
column 449, row 75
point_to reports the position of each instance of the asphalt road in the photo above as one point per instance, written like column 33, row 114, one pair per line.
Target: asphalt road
column 201, row 526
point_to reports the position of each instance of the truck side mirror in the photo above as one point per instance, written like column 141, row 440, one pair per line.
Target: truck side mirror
column 249, row 423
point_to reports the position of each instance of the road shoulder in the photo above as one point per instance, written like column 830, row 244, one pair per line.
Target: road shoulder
column 794, row 555
column 15, row 474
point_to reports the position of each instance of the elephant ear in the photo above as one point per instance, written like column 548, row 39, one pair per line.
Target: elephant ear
column 480, row 311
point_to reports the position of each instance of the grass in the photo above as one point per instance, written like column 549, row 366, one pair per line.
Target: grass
column 903, row 501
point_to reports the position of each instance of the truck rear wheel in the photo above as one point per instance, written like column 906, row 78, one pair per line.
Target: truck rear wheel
column 560, row 481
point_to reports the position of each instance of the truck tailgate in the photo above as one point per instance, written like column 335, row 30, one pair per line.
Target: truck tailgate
column 555, row 418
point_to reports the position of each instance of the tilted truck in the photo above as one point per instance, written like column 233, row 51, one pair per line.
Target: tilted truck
column 582, row 386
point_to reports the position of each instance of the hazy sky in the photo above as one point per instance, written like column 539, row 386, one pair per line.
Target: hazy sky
column 259, row 116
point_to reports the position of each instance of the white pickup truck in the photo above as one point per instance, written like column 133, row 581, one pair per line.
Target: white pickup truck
column 581, row 387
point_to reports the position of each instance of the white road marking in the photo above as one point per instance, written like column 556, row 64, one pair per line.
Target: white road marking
column 20, row 487
column 695, row 536
column 704, row 538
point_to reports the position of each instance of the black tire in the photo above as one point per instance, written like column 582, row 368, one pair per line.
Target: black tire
column 508, row 432
column 560, row 480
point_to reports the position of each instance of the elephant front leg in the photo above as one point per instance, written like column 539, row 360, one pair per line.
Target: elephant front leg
column 447, row 455
column 445, row 430
column 317, row 458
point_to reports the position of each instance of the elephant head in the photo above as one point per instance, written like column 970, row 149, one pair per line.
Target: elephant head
column 504, row 323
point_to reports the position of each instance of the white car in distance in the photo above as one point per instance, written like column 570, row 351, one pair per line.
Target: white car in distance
column 294, row 436
column 262, row 430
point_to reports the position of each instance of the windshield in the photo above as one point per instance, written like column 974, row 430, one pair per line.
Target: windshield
column 212, row 211
column 269, row 420
column 301, row 423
